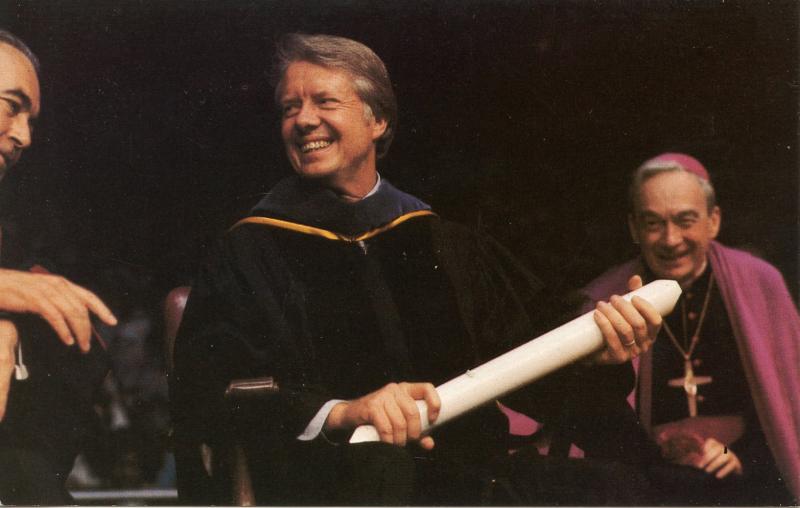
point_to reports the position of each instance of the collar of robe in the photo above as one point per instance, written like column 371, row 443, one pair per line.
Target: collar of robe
column 305, row 207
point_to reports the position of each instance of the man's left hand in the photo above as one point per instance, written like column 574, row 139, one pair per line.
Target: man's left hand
column 718, row 459
column 629, row 328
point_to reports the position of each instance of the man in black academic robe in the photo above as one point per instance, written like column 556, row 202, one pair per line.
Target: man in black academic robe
column 46, row 386
column 359, row 299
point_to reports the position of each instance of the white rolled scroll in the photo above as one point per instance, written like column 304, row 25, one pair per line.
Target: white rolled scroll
column 527, row 363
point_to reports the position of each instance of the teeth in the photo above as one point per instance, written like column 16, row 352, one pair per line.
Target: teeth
column 314, row 145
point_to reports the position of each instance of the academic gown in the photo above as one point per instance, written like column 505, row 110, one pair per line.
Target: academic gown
column 49, row 415
column 335, row 300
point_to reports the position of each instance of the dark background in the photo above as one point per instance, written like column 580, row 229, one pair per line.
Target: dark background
column 524, row 118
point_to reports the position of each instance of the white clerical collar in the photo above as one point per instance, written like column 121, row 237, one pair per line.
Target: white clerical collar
column 375, row 188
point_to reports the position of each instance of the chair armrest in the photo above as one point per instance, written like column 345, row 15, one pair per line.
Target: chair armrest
column 242, row 493
column 251, row 388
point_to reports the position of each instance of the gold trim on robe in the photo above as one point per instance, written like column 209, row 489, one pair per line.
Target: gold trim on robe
column 330, row 235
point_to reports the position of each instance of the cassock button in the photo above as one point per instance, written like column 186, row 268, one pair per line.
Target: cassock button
column 697, row 362
column 689, row 296
column 693, row 315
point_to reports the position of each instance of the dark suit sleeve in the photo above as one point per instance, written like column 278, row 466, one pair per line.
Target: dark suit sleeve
column 235, row 327
column 509, row 306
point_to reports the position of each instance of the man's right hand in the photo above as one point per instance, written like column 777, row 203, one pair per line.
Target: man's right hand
column 64, row 305
column 393, row 412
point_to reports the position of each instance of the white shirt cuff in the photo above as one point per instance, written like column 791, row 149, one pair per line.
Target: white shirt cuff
column 315, row 426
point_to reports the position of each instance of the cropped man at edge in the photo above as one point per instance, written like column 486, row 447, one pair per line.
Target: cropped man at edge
column 359, row 299
column 45, row 383
column 719, row 389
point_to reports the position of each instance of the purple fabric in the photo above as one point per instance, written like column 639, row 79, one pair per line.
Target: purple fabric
column 767, row 330
column 766, row 325
column 687, row 162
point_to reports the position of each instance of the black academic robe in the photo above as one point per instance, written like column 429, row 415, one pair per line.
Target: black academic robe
column 49, row 415
column 420, row 299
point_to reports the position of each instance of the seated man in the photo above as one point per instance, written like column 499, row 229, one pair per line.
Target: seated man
column 718, row 391
column 45, row 390
column 359, row 300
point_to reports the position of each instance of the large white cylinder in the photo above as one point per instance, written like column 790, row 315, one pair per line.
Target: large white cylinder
column 527, row 363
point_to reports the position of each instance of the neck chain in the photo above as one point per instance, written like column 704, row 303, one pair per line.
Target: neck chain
column 687, row 353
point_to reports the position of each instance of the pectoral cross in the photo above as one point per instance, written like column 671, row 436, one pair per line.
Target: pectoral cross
column 690, row 383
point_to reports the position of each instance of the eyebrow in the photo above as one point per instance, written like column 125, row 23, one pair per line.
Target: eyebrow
column 680, row 215
column 316, row 95
column 647, row 212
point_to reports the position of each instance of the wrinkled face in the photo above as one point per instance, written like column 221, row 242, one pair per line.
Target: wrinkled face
column 327, row 130
column 673, row 226
column 19, row 105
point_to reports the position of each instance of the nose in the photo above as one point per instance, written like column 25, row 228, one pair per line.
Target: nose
column 672, row 235
column 307, row 118
column 20, row 132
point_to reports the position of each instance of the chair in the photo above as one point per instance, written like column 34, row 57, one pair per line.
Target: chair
column 232, row 462
column 203, row 460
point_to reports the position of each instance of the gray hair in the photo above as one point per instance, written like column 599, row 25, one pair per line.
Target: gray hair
column 15, row 42
column 369, row 74
column 652, row 168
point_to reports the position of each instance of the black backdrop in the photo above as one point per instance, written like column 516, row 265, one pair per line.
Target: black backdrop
column 523, row 117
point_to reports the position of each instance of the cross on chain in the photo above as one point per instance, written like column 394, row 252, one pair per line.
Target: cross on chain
column 689, row 382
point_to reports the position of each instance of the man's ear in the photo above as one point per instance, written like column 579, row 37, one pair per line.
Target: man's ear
column 378, row 128
column 716, row 221
column 632, row 228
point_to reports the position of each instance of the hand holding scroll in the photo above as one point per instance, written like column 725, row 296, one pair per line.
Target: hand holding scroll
column 629, row 327
column 392, row 410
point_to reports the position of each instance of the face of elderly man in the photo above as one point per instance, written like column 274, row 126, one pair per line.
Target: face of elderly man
column 19, row 105
column 673, row 226
column 328, row 132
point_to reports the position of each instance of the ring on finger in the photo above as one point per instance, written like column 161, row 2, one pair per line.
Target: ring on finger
column 629, row 344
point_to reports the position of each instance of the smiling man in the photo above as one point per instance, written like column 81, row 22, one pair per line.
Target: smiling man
column 719, row 388
column 45, row 393
column 359, row 299
column 328, row 131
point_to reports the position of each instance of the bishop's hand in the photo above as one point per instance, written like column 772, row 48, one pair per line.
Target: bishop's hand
column 629, row 328
column 392, row 410
column 718, row 459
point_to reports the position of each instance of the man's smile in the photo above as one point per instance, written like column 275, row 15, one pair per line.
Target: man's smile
column 672, row 258
column 310, row 146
